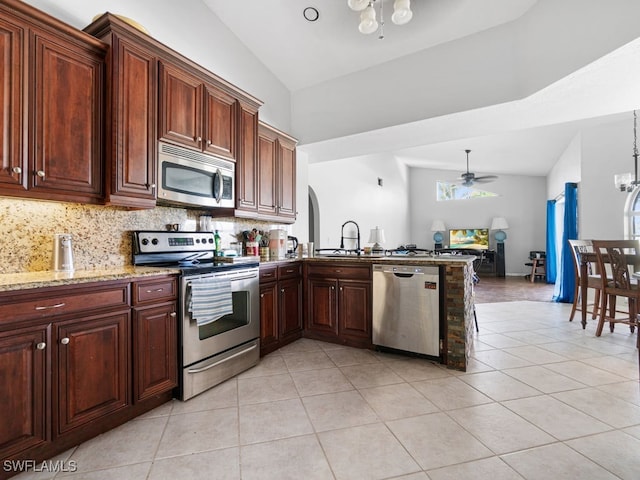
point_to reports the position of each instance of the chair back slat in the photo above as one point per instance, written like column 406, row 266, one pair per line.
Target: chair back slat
column 614, row 253
column 577, row 248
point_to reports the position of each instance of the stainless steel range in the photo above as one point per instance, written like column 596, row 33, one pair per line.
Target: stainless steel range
column 219, row 320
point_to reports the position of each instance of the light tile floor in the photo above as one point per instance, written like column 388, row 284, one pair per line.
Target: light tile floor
column 541, row 399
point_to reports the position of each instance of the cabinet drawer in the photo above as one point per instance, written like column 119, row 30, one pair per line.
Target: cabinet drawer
column 268, row 274
column 34, row 305
column 158, row 289
column 289, row 270
column 355, row 272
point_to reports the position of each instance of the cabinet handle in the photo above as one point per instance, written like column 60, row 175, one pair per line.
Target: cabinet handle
column 262, row 295
column 41, row 346
column 151, row 186
column 64, row 341
column 290, row 271
column 156, row 290
column 209, row 142
column 40, row 173
column 332, row 287
column 337, row 270
column 199, row 139
column 173, row 315
column 282, row 290
column 340, row 288
column 48, row 307
column 17, row 170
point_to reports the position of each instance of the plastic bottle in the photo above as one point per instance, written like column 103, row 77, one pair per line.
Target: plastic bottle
column 218, row 240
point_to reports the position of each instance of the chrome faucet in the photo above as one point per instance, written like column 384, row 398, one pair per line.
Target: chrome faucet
column 342, row 237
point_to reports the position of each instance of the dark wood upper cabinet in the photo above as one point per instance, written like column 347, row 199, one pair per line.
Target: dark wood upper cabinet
column 131, row 116
column 276, row 175
column 196, row 114
column 52, row 93
column 12, row 49
column 247, row 161
column 65, row 141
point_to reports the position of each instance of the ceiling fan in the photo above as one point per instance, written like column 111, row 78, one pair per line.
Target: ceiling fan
column 469, row 178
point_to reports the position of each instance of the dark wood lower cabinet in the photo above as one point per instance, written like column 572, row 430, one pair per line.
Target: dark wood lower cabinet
column 73, row 369
column 155, row 346
column 280, row 305
column 91, row 372
column 338, row 301
column 24, row 367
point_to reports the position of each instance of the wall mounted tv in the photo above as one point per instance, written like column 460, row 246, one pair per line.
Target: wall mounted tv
column 471, row 238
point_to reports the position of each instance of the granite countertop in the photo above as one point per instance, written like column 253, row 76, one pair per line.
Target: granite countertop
column 50, row 278
column 408, row 259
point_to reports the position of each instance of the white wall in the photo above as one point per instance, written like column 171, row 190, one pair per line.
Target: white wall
column 348, row 190
column 606, row 150
column 190, row 28
column 567, row 168
column 521, row 200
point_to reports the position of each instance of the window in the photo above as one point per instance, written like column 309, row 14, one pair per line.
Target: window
column 446, row 191
column 632, row 216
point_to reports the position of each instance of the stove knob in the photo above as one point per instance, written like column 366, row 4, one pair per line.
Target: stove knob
column 145, row 241
column 154, row 241
column 204, row 240
column 197, row 240
column 211, row 240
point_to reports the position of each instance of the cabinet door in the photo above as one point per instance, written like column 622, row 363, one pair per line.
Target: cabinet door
column 355, row 309
column 247, row 161
column 269, row 335
column 66, row 119
column 286, row 180
column 131, row 160
column 267, row 161
column 290, row 307
column 91, row 372
column 23, row 376
column 322, row 306
column 220, row 123
column 180, row 107
column 155, row 343
column 12, row 170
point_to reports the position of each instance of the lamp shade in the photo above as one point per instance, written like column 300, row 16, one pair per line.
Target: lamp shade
column 376, row 235
column 438, row 226
column 499, row 223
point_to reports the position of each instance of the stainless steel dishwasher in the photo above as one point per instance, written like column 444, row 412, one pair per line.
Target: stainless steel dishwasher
column 406, row 308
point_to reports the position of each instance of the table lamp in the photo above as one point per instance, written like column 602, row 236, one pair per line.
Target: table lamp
column 438, row 227
column 500, row 224
column 376, row 236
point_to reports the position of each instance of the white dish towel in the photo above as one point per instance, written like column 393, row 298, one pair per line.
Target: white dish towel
column 210, row 299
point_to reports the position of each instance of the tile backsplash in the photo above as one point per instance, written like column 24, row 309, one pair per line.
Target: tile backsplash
column 101, row 234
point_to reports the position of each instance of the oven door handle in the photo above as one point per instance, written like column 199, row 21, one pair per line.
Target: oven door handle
column 215, row 364
column 247, row 277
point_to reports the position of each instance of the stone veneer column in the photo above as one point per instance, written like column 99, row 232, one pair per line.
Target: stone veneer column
column 459, row 314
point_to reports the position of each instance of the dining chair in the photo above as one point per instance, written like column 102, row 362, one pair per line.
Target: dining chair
column 619, row 255
column 594, row 281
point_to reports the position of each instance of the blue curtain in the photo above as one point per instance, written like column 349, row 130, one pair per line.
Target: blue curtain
column 570, row 232
column 552, row 254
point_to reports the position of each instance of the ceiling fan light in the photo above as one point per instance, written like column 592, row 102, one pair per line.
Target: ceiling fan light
column 402, row 13
column 368, row 23
column 357, row 5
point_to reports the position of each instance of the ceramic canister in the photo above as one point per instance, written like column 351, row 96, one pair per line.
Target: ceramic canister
column 277, row 244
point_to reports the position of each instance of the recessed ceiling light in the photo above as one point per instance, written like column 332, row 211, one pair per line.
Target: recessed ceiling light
column 311, row 14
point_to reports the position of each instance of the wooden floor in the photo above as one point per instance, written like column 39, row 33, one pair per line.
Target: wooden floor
column 509, row 289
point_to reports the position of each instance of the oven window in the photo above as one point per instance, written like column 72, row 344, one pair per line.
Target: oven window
column 188, row 180
column 239, row 317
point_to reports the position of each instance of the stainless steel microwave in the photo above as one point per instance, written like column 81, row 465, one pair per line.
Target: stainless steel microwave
column 194, row 179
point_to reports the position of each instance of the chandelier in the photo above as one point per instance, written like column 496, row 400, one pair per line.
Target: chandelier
column 626, row 182
column 402, row 14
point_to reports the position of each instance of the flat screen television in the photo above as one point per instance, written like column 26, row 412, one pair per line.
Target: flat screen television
column 471, row 238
